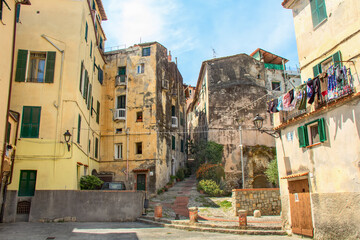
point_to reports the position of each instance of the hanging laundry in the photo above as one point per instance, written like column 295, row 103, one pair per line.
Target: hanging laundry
column 272, row 106
column 293, row 99
column 303, row 95
column 332, row 93
column 280, row 103
column 314, row 86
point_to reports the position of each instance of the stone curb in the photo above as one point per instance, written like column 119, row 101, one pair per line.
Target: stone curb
column 218, row 229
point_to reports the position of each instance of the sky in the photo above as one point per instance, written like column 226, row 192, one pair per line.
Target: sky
column 194, row 29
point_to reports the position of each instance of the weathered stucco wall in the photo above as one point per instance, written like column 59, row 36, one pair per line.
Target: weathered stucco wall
column 85, row 206
column 266, row 200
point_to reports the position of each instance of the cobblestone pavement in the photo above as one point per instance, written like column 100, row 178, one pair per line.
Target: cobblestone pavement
column 215, row 210
column 110, row 231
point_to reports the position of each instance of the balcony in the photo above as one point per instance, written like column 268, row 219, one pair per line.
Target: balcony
column 165, row 84
column 174, row 122
column 120, row 80
column 119, row 114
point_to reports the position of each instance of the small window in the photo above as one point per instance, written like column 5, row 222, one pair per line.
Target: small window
column 139, row 116
column 96, row 147
column 318, row 11
column 30, row 123
column 118, row 151
column 146, row 51
column 138, row 149
column 313, row 130
column 97, row 112
column 312, row 133
column 173, row 142
column 86, row 31
column 141, row 68
column 91, row 49
column 275, row 86
column 182, row 146
column 79, row 129
column 118, row 130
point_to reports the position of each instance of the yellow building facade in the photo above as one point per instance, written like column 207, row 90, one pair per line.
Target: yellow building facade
column 143, row 128
column 57, row 85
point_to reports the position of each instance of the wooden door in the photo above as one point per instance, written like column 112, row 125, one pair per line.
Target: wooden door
column 141, row 182
column 300, row 207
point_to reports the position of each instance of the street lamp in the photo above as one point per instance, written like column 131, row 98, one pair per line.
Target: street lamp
column 258, row 123
column 67, row 136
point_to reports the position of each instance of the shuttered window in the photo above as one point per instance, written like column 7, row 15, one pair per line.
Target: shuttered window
column 18, row 7
column 97, row 111
column 50, row 67
column 317, row 70
column 86, row 31
column 27, row 183
column 318, row 11
column 173, row 142
column 79, row 129
column 337, row 58
column 146, row 51
column 30, row 123
column 121, row 101
column 21, row 65
column 182, row 146
column 322, row 131
column 173, row 111
column 96, row 147
column 100, row 75
column 89, row 96
column 312, row 133
column 336, row 61
column 81, row 77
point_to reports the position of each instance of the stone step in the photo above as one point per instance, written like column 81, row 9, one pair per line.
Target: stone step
column 203, row 228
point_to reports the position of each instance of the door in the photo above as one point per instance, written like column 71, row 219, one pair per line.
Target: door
column 141, row 182
column 300, row 207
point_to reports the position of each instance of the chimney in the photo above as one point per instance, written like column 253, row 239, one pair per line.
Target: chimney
column 169, row 56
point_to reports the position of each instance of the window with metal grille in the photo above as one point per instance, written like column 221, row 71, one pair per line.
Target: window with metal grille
column 23, row 207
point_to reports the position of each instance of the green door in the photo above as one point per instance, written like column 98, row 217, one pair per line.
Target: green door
column 141, row 182
column 27, row 183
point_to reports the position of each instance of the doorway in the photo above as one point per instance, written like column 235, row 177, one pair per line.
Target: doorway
column 300, row 207
column 141, row 182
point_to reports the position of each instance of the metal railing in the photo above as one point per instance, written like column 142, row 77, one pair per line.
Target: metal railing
column 120, row 114
column 174, row 122
column 120, row 80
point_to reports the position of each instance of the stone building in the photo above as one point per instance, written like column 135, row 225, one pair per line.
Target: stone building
column 143, row 128
column 229, row 93
column 318, row 152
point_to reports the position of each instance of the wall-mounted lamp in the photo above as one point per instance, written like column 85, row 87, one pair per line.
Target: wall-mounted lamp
column 67, row 136
column 258, row 123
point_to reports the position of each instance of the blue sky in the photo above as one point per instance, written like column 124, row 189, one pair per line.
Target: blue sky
column 191, row 29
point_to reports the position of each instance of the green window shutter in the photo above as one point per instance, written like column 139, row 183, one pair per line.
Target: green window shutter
column 321, row 8
column 173, row 142
column 30, row 123
column 50, row 67
column 122, row 71
column 27, row 183
column 92, row 105
column 8, row 134
column 303, row 137
column 90, row 48
column 81, row 75
column 21, row 66
column 314, row 14
column 86, row 85
column 121, row 101
column 97, row 111
column 322, row 130
column 93, row 5
column 86, row 31
column 96, row 147
column 89, row 98
column 337, row 58
column 79, row 129
column 18, row 7
column 318, row 11
column 317, row 70
column 1, row 9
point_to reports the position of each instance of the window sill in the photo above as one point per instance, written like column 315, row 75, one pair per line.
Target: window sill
column 319, row 25
column 313, row 145
column 139, row 120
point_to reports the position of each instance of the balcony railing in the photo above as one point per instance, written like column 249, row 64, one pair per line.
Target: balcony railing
column 120, row 80
column 120, row 114
column 174, row 122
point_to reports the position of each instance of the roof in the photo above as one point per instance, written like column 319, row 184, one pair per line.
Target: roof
column 101, row 10
column 295, row 175
column 269, row 57
column 287, row 3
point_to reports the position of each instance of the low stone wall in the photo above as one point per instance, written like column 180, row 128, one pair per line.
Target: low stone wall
column 267, row 200
column 82, row 206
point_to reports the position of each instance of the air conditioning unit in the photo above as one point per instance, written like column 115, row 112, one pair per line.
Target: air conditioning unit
column 174, row 122
column 120, row 80
column 165, row 84
column 120, row 114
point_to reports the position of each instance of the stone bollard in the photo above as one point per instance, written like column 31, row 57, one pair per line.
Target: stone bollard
column 242, row 218
column 257, row 213
column 193, row 214
column 158, row 211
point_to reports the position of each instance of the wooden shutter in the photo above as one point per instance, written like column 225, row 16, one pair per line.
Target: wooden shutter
column 303, row 137
column 100, row 75
column 336, row 59
column 27, row 183
column 18, row 7
column 35, row 122
column 86, row 85
column 79, row 129
column 50, row 67
column 21, row 65
column 86, row 31
column 81, row 75
column 322, row 130
column 30, row 123
column 90, row 48
column 122, row 71
column 89, row 97
column 317, row 70
column 321, row 9
column 97, row 111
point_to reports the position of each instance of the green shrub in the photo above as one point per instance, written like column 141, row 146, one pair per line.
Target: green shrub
column 272, row 172
column 172, row 178
column 206, row 152
column 210, row 187
column 90, row 182
column 213, row 172
column 180, row 174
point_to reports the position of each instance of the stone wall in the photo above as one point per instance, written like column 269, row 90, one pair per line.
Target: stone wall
column 81, row 206
column 267, row 200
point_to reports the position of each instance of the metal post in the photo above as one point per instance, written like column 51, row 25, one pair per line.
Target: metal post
column 241, row 158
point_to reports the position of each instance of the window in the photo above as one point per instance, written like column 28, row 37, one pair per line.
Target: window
column 121, row 101
column 173, row 142
column 1, row 9
column 97, row 111
column 93, row 5
column 18, row 7
column 118, row 150
column 182, row 146
column 146, row 51
column 118, row 130
column 40, row 67
column 89, row 97
column 8, row 134
column 90, row 48
column 318, row 11
column 27, row 183
column 101, row 43
column 30, row 122
column 122, row 74
column 100, row 75
column 173, row 113
column 96, row 147
column 312, row 133
column 275, row 86
column 86, row 31
column 89, row 147
column 139, row 116
column 79, row 129
column 138, row 147
column 335, row 60
column 141, row 68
